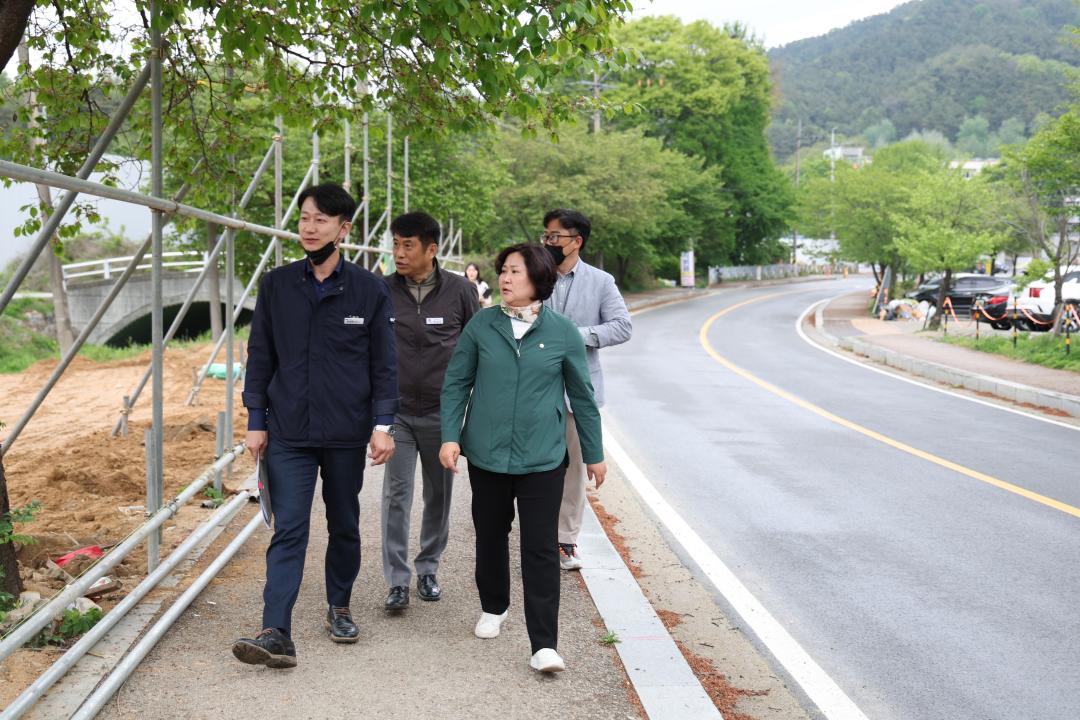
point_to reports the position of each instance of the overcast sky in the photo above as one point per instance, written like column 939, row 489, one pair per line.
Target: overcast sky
column 777, row 22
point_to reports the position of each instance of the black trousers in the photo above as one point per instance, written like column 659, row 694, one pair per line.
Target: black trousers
column 538, row 496
column 293, row 472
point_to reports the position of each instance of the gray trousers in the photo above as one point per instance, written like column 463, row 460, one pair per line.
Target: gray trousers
column 415, row 436
column 572, row 509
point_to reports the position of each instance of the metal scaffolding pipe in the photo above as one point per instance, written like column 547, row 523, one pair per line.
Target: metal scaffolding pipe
column 348, row 157
column 405, row 202
column 79, row 341
column 367, row 194
column 278, row 182
column 389, row 166
column 211, row 260
column 65, row 662
column 197, row 385
column 25, row 173
column 64, row 203
column 315, row 155
column 32, row 625
column 126, row 666
column 156, row 489
column 230, row 337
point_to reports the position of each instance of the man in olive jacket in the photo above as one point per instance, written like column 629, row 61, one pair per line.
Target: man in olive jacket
column 431, row 307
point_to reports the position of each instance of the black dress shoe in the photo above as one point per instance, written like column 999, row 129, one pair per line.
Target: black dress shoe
column 341, row 626
column 271, row 648
column 427, row 587
column 397, row 599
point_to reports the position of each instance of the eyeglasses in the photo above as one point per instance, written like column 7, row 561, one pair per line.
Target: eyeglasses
column 553, row 238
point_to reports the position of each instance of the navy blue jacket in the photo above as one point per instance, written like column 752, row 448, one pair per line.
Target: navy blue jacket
column 323, row 368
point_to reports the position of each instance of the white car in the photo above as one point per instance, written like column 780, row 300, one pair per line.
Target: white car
column 1036, row 302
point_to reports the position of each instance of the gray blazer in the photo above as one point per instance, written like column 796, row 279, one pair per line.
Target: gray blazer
column 595, row 305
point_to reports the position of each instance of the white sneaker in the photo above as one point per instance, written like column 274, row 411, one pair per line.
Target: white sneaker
column 568, row 557
column 547, row 660
column 488, row 625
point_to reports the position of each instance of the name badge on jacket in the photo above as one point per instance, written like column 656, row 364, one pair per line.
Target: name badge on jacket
column 354, row 320
column 434, row 321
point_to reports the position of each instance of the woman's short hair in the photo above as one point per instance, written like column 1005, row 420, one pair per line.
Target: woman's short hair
column 538, row 266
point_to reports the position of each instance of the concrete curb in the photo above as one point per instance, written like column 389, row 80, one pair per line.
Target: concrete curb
column 1006, row 389
column 664, row 682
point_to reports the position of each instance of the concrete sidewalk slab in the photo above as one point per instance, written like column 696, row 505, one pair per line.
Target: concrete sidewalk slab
column 425, row 663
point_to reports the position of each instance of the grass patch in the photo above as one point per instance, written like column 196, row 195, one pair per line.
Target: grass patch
column 1035, row 348
column 21, row 347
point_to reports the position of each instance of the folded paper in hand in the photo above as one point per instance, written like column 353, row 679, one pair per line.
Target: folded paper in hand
column 262, row 472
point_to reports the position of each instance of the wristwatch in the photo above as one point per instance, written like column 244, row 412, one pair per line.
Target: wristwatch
column 388, row 429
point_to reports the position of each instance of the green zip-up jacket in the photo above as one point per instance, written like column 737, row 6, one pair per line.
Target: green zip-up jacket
column 503, row 399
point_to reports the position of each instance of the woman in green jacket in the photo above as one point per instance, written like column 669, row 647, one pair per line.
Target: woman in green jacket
column 503, row 408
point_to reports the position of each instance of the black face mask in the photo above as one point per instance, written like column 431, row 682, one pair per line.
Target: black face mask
column 557, row 252
column 318, row 257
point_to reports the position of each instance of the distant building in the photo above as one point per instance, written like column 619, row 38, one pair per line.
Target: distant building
column 971, row 168
column 854, row 156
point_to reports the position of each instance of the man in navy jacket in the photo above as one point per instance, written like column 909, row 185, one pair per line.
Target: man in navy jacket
column 320, row 383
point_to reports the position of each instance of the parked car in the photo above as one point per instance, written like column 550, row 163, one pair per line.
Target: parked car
column 1036, row 302
column 996, row 310
column 966, row 287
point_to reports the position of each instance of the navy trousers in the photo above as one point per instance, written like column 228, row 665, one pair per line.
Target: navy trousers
column 293, row 472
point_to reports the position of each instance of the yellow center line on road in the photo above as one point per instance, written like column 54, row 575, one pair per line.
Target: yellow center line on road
column 703, row 336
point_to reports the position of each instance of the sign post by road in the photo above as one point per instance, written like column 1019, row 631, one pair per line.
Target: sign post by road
column 686, row 266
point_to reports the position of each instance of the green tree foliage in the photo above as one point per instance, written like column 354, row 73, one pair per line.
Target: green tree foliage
column 928, row 65
column 880, row 133
column 863, row 205
column 646, row 203
column 704, row 91
column 1038, row 184
column 945, row 226
column 230, row 67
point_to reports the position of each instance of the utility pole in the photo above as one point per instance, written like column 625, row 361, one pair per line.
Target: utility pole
column 798, row 154
column 798, row 178
column 832, row 174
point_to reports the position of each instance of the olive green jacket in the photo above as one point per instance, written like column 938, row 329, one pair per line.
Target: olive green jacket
column 503, row 399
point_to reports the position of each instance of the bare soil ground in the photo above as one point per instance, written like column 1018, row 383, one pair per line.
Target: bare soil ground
column 91, row 486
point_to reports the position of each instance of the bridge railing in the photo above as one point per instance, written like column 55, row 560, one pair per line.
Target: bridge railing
column 109, row 268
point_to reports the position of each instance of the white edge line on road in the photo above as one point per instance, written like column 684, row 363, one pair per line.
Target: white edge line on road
column 912, row 381
column 815, row 682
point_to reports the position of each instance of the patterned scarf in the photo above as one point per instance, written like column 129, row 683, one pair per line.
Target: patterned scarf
column 527, row 314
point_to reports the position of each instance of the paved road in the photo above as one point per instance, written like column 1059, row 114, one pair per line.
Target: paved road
column 923, row 592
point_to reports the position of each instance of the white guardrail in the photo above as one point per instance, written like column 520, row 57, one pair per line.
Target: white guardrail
column 110, row 267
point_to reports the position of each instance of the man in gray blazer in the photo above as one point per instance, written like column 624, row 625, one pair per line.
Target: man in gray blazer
column 588, row 296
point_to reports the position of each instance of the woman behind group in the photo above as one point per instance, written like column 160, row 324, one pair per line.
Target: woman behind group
column 472, row 274
column 510, row 370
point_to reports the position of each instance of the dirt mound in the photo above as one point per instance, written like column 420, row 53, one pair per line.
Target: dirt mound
column 92, row 486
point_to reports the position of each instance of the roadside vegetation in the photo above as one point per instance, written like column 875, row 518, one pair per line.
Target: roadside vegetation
column 1035, row 348
column 24, row 341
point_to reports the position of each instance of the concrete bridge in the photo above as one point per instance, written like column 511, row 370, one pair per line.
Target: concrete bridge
column 128, row 319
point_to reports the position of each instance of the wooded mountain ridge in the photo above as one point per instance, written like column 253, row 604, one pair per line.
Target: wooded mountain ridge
column 928, row 65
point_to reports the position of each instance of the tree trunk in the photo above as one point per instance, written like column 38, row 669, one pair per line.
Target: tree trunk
column 64, row 335
column 14, row 17
column 946, row 282
column 1062, row 259
column 61, row 311
column 213, row 284
column 10, row 582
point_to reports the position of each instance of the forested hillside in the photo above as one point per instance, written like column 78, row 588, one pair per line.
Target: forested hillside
column 928, row 65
